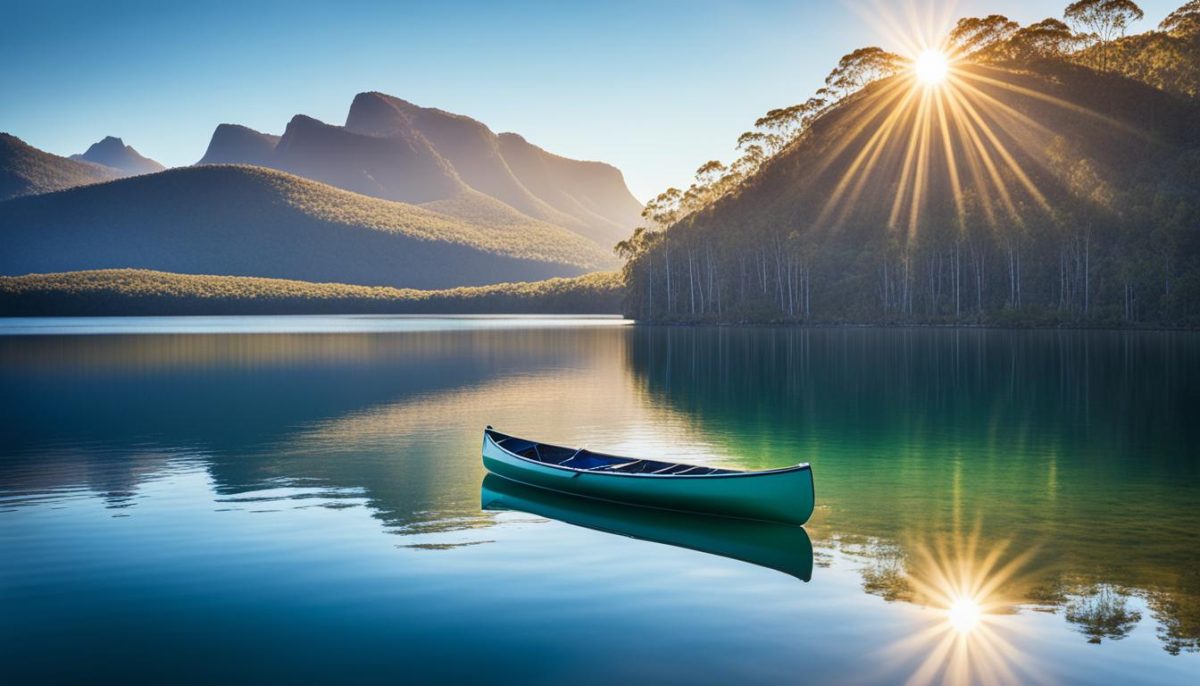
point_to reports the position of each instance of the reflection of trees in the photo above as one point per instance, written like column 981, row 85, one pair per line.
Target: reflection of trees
column 1102, row 613
column 885, row 571
column 1178, row 615
column 1035, row 434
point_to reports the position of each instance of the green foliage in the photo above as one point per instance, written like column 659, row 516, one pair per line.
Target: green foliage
column 142, row 292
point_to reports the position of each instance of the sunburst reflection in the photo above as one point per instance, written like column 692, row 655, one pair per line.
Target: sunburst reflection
column 970, row 595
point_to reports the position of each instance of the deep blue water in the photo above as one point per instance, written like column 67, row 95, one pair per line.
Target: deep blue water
column 298, row 500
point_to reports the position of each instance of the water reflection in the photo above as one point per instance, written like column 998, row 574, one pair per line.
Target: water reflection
column 972, row 593
column 1081, row 442
column 775, row 546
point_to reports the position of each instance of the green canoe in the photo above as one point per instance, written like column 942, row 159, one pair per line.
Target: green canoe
column 781, row 547
column 776, row 495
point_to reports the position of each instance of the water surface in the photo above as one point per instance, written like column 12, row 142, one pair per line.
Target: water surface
column 299, row 500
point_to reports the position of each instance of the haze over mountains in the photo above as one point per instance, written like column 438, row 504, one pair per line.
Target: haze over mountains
column 393, row 149
column 400, row 196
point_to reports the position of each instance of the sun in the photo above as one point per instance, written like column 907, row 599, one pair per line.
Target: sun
column 964, row 614
column 931, row 67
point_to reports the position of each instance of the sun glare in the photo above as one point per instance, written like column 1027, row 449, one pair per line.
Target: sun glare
column 964, row 614
column 931, row 67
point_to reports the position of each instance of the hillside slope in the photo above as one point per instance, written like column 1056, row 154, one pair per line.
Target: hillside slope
column 112, row 152
column 25, row 170
column 226, row 220
column 1051, row 193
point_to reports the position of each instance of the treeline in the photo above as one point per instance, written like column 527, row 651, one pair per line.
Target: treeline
column 132, row 292
column 1089, row 215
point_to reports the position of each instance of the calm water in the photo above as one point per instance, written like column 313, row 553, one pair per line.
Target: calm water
column 299, row 500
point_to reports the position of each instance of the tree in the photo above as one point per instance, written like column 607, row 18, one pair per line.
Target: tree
column 1184, row 21
column 1046, row 38
column 1104, row 20
column 980, row 38
column 860, row 68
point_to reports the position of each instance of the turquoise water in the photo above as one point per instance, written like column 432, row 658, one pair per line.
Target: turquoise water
column 298, row 500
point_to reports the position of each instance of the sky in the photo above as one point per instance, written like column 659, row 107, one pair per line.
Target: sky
column 653, row 87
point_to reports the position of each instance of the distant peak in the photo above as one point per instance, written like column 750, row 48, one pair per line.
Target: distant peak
column 111, row 151
column 305, row 120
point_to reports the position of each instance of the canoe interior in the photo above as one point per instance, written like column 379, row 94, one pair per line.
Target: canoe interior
column 588, row 461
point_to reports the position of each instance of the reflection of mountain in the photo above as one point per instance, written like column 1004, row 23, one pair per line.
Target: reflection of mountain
column 395, row 417
column 776, row 546
column 1072, row 441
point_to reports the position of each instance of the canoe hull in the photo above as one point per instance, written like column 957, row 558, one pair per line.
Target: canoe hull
column 773, row 545
column 783, row 495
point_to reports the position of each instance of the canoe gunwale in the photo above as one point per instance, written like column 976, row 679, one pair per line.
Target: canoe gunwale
column 488, row 433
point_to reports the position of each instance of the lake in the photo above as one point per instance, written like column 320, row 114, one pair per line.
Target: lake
column 302, row 500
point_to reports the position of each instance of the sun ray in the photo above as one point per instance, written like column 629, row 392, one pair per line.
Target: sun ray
column 956, row 191
column 1059, row 102
column 883, row 135
column 878, row 138
column 957, row 107
column 1005, row 155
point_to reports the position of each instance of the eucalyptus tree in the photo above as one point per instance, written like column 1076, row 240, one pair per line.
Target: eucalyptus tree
column 1046, row 38
column 1104, row 21
column 1184, row 21
column 860, row 68
column 981, row 39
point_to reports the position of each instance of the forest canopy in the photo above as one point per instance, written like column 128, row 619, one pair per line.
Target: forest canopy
column 1051, row 177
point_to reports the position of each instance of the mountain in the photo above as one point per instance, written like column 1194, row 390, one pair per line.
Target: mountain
column 593, row 192
column 400, row 167
column 25, row 170
column 1039, row 193
column 235, row 144
column 251, row 221
column 391, row 148
column 112, row 152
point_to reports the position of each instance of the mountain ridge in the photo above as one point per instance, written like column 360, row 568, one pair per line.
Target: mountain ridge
column 394, row 149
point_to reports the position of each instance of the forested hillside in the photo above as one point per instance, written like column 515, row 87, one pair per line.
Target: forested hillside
column 1047, row 178
column 250, row 221
column 141, row 292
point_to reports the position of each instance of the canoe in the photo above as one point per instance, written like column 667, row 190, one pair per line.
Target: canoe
column 772, row 545
column 776, row 495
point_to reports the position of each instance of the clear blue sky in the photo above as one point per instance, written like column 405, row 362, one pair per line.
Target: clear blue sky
column 655, row 88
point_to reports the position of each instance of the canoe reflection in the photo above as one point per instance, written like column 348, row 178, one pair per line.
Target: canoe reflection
column 775, row 546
